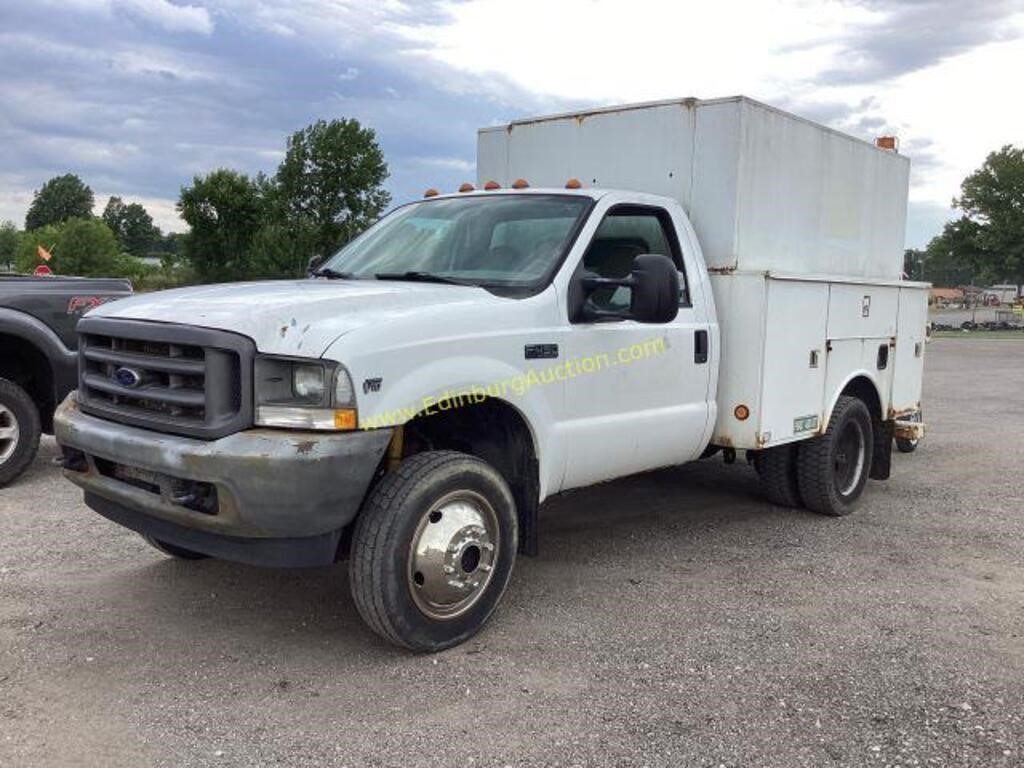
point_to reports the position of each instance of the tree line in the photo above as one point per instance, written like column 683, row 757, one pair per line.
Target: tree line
column 326, row 190
column 985, row 244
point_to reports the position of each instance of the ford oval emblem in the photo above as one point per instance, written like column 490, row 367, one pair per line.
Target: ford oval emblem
column 127, row 377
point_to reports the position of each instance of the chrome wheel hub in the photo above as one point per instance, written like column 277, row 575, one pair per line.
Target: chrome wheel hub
column 453, row 554
column 9, row 433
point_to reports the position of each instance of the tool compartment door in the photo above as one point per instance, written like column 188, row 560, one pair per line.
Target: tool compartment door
column 911, row 331
column 793, row 379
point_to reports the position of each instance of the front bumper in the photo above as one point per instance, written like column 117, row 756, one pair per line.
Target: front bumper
column 270, row 497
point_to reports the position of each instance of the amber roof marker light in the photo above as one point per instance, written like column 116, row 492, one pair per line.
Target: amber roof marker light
column 520, row 184
column 466, row 187
column 431, row 193
column 889, row 143
column 573, row 184
column 490, row 186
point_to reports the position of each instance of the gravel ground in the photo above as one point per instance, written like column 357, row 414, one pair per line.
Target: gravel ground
column 671, row 619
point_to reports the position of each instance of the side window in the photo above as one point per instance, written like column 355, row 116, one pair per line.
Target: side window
column 625, row 233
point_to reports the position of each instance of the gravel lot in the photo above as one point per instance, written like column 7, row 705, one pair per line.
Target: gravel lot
column 672, row 619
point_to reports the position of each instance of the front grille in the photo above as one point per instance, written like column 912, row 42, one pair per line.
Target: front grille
column 171, row 378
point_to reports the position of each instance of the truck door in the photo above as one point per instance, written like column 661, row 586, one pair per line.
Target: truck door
column 637, row 395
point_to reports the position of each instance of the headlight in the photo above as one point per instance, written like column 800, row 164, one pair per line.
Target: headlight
column 308, row 382
column 304, row 394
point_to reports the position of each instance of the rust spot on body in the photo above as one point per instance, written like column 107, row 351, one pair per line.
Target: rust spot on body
column 305, row 447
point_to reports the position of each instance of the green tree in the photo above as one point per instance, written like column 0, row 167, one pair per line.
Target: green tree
column 954, row 257
column 132, row 226
column 84, row 247
column 59, row 199
column 8, row 244
column 993, row 199
column 282, row 249
column 330, row 179
column 224, row 210
column 913, row 263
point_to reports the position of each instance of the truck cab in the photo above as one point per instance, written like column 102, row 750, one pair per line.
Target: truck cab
column 411, row 404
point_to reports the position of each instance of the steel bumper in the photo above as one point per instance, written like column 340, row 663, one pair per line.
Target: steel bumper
column 279, row 497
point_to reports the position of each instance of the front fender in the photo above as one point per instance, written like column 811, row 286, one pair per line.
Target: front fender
column 63, row 361
column 456, row 382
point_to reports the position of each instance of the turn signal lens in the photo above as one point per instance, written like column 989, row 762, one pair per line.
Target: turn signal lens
column 345, row 419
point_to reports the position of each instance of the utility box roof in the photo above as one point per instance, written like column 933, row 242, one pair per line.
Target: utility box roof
column 765, row 190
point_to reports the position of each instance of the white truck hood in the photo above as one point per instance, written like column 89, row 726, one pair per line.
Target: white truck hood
column 291, row 317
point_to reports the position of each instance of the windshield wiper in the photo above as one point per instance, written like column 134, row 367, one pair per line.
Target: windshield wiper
column 414, row 276
column 333, row 274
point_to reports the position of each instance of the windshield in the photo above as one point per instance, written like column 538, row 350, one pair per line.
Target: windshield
column 494, row 240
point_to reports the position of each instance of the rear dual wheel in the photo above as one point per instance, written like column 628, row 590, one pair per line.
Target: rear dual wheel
column 825, row 474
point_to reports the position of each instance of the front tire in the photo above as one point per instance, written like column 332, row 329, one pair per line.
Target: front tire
column 19, row 431
column 433, row 550
column 833, row 469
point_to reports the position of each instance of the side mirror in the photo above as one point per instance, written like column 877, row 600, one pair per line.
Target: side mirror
column 314, row 263
column 654, row 292
column 655, row 296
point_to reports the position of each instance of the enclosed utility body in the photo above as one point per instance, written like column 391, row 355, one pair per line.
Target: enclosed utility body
column 802, row 229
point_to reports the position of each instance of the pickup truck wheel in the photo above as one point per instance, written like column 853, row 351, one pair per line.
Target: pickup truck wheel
column 433, row 550
column 776, row 468
column 833, row 469
column 19, row 431
column 906, row 445
column 173, row 550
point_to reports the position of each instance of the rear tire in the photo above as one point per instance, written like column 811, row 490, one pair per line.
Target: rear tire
column 833, row 469
column 173, row 550
column 433, row 550
column 19, row 431
column 778, row 474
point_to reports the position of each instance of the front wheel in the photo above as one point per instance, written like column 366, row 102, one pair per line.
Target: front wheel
column 433, row 550
column 19, row 431
column 833, row 469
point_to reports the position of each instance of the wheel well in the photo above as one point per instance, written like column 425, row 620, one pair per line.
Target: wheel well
column 23, row 363
column 493, row 431
column 864, row 390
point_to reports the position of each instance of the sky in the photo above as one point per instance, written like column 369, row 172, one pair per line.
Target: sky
column 139, row 96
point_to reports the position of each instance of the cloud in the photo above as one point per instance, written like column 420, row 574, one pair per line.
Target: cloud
column 903, row 36
column 137, row 96
column 173, row 18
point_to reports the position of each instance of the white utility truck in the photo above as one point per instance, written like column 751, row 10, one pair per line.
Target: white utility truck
column 714, row 275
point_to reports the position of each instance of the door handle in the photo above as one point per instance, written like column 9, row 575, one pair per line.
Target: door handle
column 700, row 347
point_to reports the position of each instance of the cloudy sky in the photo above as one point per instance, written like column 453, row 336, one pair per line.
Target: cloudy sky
column 137, row 96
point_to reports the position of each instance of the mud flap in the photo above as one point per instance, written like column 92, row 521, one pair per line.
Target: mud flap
column 881, row 463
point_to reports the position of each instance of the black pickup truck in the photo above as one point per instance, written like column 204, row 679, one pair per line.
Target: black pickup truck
column 38, row 358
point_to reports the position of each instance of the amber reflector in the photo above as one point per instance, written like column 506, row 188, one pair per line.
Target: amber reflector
column 886, row 142
column 345, row 419
column 741, row 412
